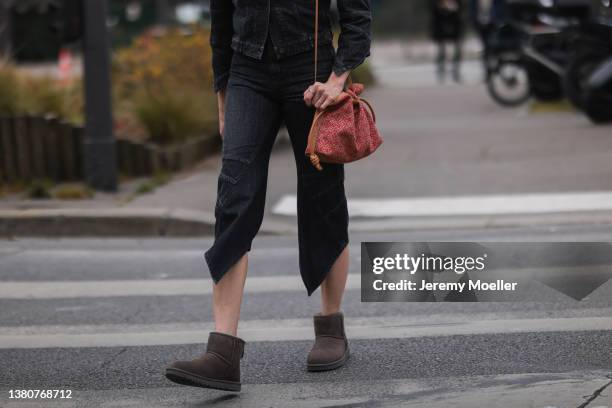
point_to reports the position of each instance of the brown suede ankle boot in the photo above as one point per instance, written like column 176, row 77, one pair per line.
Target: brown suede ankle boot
column 330, row 350
column 218, row 368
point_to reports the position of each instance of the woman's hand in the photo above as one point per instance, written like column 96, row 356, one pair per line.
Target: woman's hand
column 321, row 95
column 221, row 105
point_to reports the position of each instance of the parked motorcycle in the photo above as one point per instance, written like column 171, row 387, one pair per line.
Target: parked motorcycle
column 530, row 52
column 588, row 78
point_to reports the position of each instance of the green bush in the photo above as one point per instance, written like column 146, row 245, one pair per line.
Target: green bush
column 73, row 191
column 39, row 188
column 171, row 117
column 9, row 93
column 162, row 86
column 42, row 96
column 25, row 94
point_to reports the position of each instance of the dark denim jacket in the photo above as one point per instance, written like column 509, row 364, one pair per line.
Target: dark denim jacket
column 243, row 26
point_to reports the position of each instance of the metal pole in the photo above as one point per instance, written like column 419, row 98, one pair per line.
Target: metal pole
column 5, row 30
column 100, row 163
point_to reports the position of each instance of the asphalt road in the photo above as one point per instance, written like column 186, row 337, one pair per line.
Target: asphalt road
column 111, row 350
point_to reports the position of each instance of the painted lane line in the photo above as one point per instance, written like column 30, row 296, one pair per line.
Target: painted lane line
column 37, row 290
column 148, row 287
column 122, row 255
column 301, row 329
column 416, row 320
column 467, row 205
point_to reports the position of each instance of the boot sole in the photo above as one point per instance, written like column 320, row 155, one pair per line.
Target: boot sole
column 330, row 366
column 185, row 378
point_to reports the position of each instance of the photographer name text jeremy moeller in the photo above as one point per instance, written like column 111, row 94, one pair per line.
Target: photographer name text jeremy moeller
column 404, row 284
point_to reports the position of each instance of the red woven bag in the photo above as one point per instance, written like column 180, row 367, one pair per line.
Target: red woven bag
column 346, row 130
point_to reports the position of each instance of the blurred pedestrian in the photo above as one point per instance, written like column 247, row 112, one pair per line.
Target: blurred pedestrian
column 263, row 64
column 447, row 29
column 485, row 16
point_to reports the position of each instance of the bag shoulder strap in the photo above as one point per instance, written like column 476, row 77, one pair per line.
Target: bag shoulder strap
column 316, row 40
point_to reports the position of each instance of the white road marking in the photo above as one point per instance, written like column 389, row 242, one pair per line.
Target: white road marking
column 37, row 290
column 147, row 287
column 283, row 330
column 84, row 255
column 543, row 203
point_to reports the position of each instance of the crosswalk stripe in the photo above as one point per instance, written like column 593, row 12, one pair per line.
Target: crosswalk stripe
column 254, row 284
column 533, row 203
column 147, row 287
column 285, row 330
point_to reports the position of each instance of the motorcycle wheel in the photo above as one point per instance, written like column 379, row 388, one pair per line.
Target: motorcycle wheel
column 508, row 83
column 577, row 74
column 597, row 105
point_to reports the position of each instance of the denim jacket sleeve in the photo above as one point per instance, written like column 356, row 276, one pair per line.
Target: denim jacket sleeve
column 221, row 31
column 355, row 34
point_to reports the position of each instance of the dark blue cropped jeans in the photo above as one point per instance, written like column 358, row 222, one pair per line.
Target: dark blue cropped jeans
column 260, row 96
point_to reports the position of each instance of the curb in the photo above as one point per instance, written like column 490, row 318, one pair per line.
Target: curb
column 116, row 222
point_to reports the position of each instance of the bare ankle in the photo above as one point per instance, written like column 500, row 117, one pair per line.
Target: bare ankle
column 227, row 330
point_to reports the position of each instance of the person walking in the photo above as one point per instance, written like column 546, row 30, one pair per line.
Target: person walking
column 263, row 76
column 447, row 28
